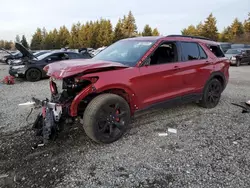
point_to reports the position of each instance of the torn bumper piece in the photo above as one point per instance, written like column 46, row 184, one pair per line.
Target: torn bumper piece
column 47, row 123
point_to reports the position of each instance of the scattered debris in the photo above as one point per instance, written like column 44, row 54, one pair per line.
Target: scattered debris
column 4, row 175
column 234, row 142
column 171, row 130
column 162, row 134
column 40, row 145
column 9, row 80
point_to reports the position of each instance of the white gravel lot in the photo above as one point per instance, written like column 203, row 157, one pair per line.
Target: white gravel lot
column 211, row 147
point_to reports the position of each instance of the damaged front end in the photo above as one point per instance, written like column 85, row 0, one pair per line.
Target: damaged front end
column 57, row 111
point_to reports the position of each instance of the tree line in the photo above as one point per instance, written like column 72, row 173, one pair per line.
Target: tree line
column 101, row 33
column 237, row 32
column 8, row 45
column 92, row 34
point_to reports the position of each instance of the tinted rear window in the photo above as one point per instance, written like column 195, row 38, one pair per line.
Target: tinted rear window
column 190, row 51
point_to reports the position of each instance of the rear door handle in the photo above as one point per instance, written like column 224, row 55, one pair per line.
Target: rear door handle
column 208, row 62
column 176, row 67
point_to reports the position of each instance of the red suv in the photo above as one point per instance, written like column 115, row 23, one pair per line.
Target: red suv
column 132, row 75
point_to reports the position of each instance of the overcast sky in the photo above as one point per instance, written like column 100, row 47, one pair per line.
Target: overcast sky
column 169, row 16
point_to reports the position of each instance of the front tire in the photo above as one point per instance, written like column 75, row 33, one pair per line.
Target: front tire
column 106, row 117
column 212, row 93
column 33, row 75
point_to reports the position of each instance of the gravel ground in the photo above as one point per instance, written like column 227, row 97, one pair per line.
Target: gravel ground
column 211, row 147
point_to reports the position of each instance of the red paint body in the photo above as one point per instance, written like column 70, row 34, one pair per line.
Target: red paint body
column 144, row 85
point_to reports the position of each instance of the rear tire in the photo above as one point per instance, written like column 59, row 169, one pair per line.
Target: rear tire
column 106, row 117
column 212, row 93
column 33, row 75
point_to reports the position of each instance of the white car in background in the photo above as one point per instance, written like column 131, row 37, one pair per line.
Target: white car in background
column 98, row 50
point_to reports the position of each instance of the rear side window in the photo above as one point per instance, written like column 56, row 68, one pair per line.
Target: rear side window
column 217, row 51
column 190, row 51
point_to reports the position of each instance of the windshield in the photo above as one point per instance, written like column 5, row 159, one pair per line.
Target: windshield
column 232, row 51
column 127, row 52
column 40, row 57
column 36, row 54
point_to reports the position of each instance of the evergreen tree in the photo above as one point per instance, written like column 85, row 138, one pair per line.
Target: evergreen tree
column 24, row 42
column 63, row 37
column 36, row 41
column 226, row 35
column 209, row 28
column 118, row 31
column 147, row 31
column 199, row 29
column 247, row 25
column 129, row 25
column 1, row 43
column 155, row 32
column 8, row 45
column 104, row 37
column 190, row 30
column 18, row 39
column 49, row 41
column 74, row 36
column 56, row 42
column 237, row 28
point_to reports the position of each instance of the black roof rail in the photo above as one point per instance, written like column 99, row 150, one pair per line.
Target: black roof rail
column 189, row 36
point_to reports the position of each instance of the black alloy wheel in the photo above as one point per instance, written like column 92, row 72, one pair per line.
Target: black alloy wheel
column 33, row 75
column 212, row 94
column 106, row 118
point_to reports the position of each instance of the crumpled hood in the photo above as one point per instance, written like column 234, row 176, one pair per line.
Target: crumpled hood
column 67, row 68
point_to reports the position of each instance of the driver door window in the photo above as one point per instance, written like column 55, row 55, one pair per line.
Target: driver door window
column 165, row 53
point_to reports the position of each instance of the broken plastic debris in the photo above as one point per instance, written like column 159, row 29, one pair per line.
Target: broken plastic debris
column 171, row 130
column 248, row 102
column 27, row 104
column 4, row 175
column 162, row 134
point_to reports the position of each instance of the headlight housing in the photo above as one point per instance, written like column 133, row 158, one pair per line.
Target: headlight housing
column 233, row 58
column 18, row 67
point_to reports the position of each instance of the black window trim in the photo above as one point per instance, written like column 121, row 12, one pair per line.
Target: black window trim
column 198, row 45
column 217, row 45
column 203, row 51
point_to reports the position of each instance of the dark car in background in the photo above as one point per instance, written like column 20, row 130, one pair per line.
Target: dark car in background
column 11, row 56
column 238, row 56
column 31, row 67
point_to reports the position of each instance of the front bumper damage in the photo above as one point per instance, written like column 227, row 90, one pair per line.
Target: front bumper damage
column 49, row 121
column 20, row 72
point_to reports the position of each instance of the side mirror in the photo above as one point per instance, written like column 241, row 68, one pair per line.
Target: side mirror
column 147, row 61
column 48, row 59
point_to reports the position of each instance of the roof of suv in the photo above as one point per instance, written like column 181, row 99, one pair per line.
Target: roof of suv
column 176, row 38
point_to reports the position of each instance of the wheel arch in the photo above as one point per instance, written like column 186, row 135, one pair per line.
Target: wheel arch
column 33, row 68
column 220, row 76
column 123, row 91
